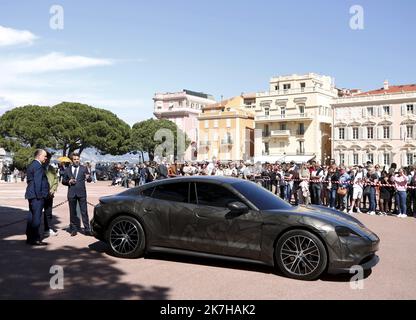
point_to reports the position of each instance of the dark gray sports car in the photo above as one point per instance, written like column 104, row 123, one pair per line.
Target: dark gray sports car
column 234, row 219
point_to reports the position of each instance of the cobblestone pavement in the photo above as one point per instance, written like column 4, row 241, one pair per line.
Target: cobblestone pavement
column 90, row 273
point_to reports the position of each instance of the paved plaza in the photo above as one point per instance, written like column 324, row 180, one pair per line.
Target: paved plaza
column 90, row 273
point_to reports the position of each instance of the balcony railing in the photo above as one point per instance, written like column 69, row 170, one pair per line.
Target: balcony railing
column 296, row 91
column 226, row 141
column 205, row 143
column 284, row 117
column 300, row 152
column 280, row 133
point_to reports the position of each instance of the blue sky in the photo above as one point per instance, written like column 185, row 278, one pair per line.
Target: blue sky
column 116, row 55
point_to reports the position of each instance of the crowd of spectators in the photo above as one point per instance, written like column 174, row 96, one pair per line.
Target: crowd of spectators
column 367, row 188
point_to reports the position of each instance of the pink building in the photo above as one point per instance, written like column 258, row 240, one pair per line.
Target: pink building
column 183, row 109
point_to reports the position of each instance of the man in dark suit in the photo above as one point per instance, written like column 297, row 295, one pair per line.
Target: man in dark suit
column 36, row 192
column 74, row 177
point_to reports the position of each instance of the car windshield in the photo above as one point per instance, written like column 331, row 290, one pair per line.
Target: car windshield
column 260, row 197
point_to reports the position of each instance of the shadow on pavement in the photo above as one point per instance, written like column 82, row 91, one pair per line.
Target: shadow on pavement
column 88, row 274
column 246, row 266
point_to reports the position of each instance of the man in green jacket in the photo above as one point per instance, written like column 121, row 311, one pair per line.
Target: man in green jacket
column 53, row 181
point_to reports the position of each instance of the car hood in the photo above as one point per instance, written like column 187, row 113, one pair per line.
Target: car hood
column 333, row 215
column 326, row 215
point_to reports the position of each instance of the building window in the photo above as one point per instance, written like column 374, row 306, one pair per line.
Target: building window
column 370, row 111
column 301, row 129
column 386, row 159
column 386, row 132
column 355, row 133
column 302, row 86
column 276, row 87
column 302, row 110
column 386, row 111
column 283, row 126
column 341, row 133
column 410, row 159
column 266, row 132
column 215, row 123
column 266, row 111
column 341, row 158
column 266, row 148
column 206, row 124
column 283, row 112
column 286, row 86
column 370, row 133
column 370, row 157
column 409, row 132
column 410, row 109
column 228, row 123
column 355, row 159
column 301, row 147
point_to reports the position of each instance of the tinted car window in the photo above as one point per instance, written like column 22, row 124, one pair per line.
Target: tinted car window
column 147, row 192
column 177, row 192
column 260, row 197
column 214, row 195
column 192, row 193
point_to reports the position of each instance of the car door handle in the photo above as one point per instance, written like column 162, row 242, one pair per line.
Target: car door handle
column 147, row 210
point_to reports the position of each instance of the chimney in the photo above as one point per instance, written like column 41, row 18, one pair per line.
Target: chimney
column 386, row 85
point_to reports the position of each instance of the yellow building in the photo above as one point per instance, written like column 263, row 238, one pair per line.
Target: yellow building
column 226, row 129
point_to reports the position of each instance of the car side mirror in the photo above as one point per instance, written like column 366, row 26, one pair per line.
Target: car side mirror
column 237, row 208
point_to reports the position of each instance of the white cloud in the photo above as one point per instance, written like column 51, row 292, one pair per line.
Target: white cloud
column 51, row 62
column 11, row 37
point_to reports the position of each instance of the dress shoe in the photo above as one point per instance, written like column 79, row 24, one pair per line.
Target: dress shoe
column 37, row 243
column 88, row 233
column 73, row 233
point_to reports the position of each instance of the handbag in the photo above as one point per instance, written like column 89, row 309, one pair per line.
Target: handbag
column 342, row 191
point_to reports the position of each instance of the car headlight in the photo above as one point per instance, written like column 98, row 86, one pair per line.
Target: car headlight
column 345, row 232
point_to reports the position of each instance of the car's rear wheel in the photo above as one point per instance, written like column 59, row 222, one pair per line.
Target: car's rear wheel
column 301, row 255
column 126, row 237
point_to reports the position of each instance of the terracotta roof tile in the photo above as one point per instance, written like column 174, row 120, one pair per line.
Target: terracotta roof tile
column 391, row 89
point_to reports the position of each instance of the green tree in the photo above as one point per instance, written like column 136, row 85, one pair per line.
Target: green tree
column 90, row 127
column 25, row 126
column 23, row 157
column 67, row 126
column 144, row 137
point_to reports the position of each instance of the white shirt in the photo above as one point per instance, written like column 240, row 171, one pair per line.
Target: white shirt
column 358, row 179
column 73, row 171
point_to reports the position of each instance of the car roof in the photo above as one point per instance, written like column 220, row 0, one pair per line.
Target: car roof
column 212, row 179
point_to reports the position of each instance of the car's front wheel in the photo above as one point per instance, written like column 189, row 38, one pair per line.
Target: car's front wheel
column 301, row 255
column 126, row 237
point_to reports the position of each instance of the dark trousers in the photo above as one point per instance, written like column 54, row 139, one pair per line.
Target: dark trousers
column 34, row 219
column 47, row 213
column 316, row 193
column 75, row 221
